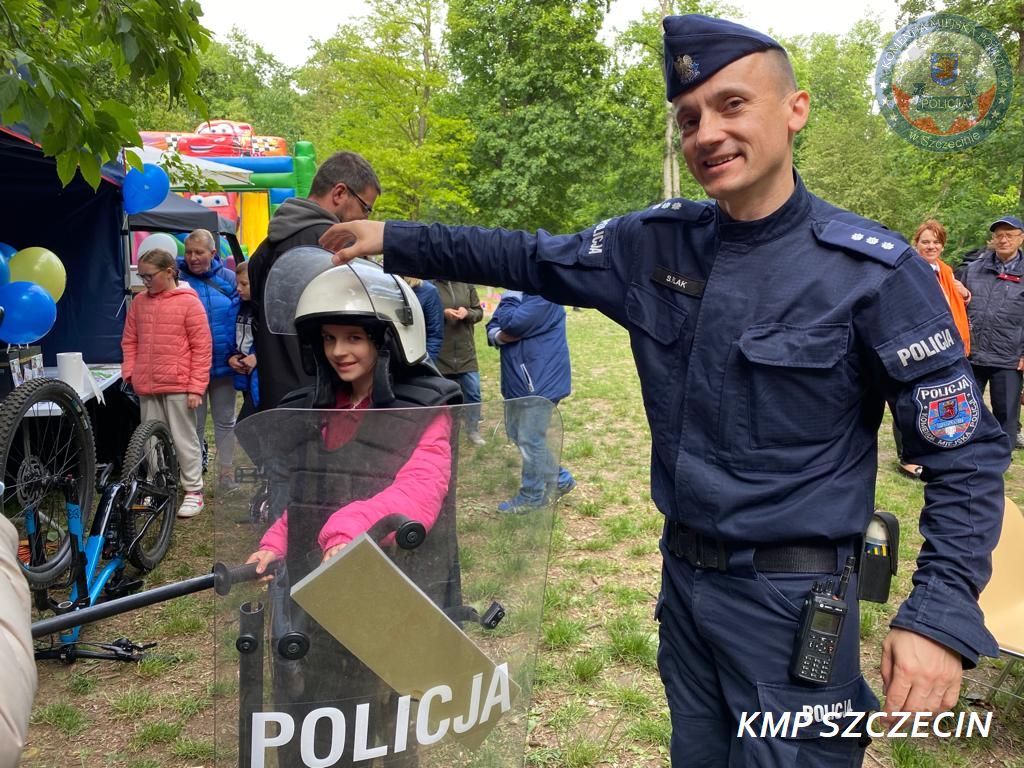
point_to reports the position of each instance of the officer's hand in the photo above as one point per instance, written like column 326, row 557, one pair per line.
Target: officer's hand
column 353, row 238
column 918, row 674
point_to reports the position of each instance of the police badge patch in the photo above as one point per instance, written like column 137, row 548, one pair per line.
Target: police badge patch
column 947, row 414
column 686, row 67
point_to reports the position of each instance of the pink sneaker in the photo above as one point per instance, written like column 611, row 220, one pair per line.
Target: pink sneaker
column 192, row 504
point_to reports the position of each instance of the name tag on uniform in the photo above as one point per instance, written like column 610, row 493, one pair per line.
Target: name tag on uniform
column 687, row 285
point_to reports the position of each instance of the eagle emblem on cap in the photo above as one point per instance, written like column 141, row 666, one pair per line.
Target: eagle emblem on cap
column 686, row 67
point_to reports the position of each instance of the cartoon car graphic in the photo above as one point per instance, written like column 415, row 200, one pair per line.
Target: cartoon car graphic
column 224, row 203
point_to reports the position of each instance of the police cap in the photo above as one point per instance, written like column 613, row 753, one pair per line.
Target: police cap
column 697, row 46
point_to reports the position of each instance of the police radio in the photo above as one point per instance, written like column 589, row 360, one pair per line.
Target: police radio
column 821, row 623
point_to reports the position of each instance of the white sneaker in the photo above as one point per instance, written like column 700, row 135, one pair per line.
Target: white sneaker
column 192, row 505
column 476, row 438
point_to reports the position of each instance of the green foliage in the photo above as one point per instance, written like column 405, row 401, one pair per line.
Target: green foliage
column 48, row 48
column 530, row 77
column 379, row 88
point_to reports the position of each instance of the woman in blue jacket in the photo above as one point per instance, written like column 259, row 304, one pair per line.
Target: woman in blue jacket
column 203, row 269
column 529, row 332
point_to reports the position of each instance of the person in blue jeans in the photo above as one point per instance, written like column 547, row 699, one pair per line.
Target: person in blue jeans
column 529, row 332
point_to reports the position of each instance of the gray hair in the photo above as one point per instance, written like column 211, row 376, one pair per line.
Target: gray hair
column 203, row 234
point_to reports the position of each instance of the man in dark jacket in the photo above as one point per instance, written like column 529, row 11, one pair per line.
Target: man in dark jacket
column 529, row 332
column 996, row 312
column 344, row 189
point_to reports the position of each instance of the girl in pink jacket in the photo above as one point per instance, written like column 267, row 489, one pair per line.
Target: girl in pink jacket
column 167, row 349
column 346, row 341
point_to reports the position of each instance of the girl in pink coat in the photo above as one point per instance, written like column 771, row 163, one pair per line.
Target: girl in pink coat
column 167, row 349
column 364, row 360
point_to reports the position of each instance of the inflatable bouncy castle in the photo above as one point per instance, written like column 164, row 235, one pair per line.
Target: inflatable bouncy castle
column 276, row 173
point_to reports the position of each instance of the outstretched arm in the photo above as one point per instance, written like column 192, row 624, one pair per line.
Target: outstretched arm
column 418, row 491
column 351, row 239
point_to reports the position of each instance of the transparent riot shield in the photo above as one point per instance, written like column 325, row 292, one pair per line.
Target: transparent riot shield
column 413, row 643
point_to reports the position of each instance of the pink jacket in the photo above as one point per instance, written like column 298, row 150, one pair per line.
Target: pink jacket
column 166, row 343
column 418, row 492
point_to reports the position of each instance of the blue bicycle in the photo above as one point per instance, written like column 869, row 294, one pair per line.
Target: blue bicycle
column 46, row 449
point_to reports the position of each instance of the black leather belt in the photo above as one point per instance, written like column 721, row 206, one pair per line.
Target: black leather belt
column 705, row 552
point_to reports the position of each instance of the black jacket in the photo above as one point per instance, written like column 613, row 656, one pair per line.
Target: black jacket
column 996, row 311
column 297, row 222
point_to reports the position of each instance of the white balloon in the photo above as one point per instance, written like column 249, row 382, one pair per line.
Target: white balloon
column 160, row 240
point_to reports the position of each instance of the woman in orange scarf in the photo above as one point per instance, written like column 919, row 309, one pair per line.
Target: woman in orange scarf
column 930, row 240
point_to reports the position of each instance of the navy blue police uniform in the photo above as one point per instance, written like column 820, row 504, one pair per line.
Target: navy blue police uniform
column 766, row 351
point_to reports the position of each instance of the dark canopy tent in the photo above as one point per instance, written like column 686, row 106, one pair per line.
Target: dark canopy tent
column 83, row 227
column 177, row 214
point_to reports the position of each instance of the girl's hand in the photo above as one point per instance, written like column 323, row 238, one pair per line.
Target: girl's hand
column 263, row 558
column 237, row 364
column 329, row 553
column 194, row 401
column 249, row 361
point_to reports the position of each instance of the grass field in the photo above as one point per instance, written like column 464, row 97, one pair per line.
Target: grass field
column 598, row 699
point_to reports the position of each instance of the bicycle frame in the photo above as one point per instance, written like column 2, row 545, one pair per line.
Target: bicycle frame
column 87, row 556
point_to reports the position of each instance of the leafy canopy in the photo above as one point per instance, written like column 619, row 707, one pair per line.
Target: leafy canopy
column 48, row 49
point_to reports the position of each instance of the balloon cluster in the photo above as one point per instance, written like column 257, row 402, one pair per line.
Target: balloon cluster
column 31, row 282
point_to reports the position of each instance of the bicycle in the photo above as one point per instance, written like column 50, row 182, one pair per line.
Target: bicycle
column 132, row 526
column 46, row 437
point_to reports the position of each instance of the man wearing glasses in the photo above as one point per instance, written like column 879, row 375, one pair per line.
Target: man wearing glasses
column 344, row 189
column 996, row 314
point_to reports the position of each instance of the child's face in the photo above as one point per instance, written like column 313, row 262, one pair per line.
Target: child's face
column 351, row 353
column 155, row 279
column 243, row 285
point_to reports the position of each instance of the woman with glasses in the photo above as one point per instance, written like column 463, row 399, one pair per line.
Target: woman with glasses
column 167, row 349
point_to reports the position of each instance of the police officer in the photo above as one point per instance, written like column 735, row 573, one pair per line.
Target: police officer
column 764, row 400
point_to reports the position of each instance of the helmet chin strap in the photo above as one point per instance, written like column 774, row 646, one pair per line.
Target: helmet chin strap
column 382, row 393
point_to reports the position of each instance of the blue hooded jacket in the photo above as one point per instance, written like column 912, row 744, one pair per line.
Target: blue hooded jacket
column 216, row 289
column 538, row 363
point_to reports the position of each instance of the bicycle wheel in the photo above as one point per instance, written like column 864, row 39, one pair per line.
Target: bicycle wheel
column 150, row 461
column 46, row 451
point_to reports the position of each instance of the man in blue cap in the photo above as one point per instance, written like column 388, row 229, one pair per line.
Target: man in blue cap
column 996, row 312
column 778, row 387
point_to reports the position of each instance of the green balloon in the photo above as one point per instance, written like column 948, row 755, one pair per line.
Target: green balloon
column 40, row 266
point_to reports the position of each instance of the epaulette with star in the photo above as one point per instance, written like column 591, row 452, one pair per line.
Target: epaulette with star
column 678, row 208
column 878, row 244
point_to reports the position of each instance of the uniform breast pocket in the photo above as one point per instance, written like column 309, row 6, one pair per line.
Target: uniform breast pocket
column 659, row 341
column 797, row 382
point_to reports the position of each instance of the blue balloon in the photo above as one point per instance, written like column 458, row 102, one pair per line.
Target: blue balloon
column 5, row 271
column 145, row 189
column 29, row 312
column 6, row 251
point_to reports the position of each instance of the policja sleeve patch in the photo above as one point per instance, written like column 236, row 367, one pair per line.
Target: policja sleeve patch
column 597, row 244
column 947, row 414
column 922, row 350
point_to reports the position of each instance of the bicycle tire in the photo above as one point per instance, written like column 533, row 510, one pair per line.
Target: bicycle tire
column 34, row 451
column 150, row 461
